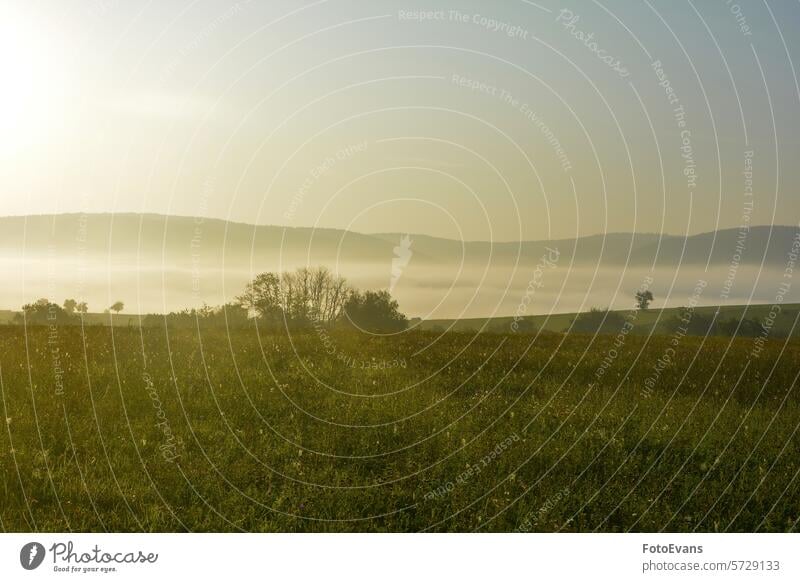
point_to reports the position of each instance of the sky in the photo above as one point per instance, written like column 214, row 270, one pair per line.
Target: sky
column 468, row 120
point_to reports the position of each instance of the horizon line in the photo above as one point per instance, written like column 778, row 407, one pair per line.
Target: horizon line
column 465, row 319
column 384, row 233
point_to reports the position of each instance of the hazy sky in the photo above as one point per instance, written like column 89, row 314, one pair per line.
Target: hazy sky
column 483, row 120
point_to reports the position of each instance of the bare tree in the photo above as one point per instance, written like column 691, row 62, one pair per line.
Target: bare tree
column 297, row 298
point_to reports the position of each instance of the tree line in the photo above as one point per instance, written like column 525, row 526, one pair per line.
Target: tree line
column 311, row 297
column 297, row 300
column 45, row 312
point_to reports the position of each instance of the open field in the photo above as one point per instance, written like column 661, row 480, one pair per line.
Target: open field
column 149, row 430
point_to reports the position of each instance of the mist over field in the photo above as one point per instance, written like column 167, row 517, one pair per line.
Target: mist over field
column 391, row 267
column 157, row 264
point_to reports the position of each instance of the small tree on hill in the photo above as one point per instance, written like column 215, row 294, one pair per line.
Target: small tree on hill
column 643, row 299
column 117, row 307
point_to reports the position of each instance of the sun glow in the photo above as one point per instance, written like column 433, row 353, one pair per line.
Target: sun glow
column 32, row 74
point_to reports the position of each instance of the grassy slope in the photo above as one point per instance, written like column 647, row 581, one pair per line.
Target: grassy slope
column 264, row 446
column 560, row 322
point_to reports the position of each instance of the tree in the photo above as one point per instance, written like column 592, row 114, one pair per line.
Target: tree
column 43, row 312
column 117, row 307
column 643, row 299
column 262, row 297
column 296, row 299
column 70, row 305
column 82, row 307
column 374, row 311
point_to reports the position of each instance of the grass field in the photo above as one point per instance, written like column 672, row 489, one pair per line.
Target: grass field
column 144, row 430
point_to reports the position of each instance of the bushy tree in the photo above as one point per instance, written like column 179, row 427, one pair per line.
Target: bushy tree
column 262, row 298
column 374, row 311
column 117, row 307
column 43, row 312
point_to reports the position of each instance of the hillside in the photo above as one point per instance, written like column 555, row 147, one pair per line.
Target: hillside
column 647, row 321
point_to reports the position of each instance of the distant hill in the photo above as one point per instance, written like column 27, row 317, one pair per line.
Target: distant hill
column 763, row 244
column 174, row 238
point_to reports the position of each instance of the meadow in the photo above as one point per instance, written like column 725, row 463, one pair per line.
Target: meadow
column 149, row 429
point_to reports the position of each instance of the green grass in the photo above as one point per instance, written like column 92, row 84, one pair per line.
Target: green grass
column 287, row 434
